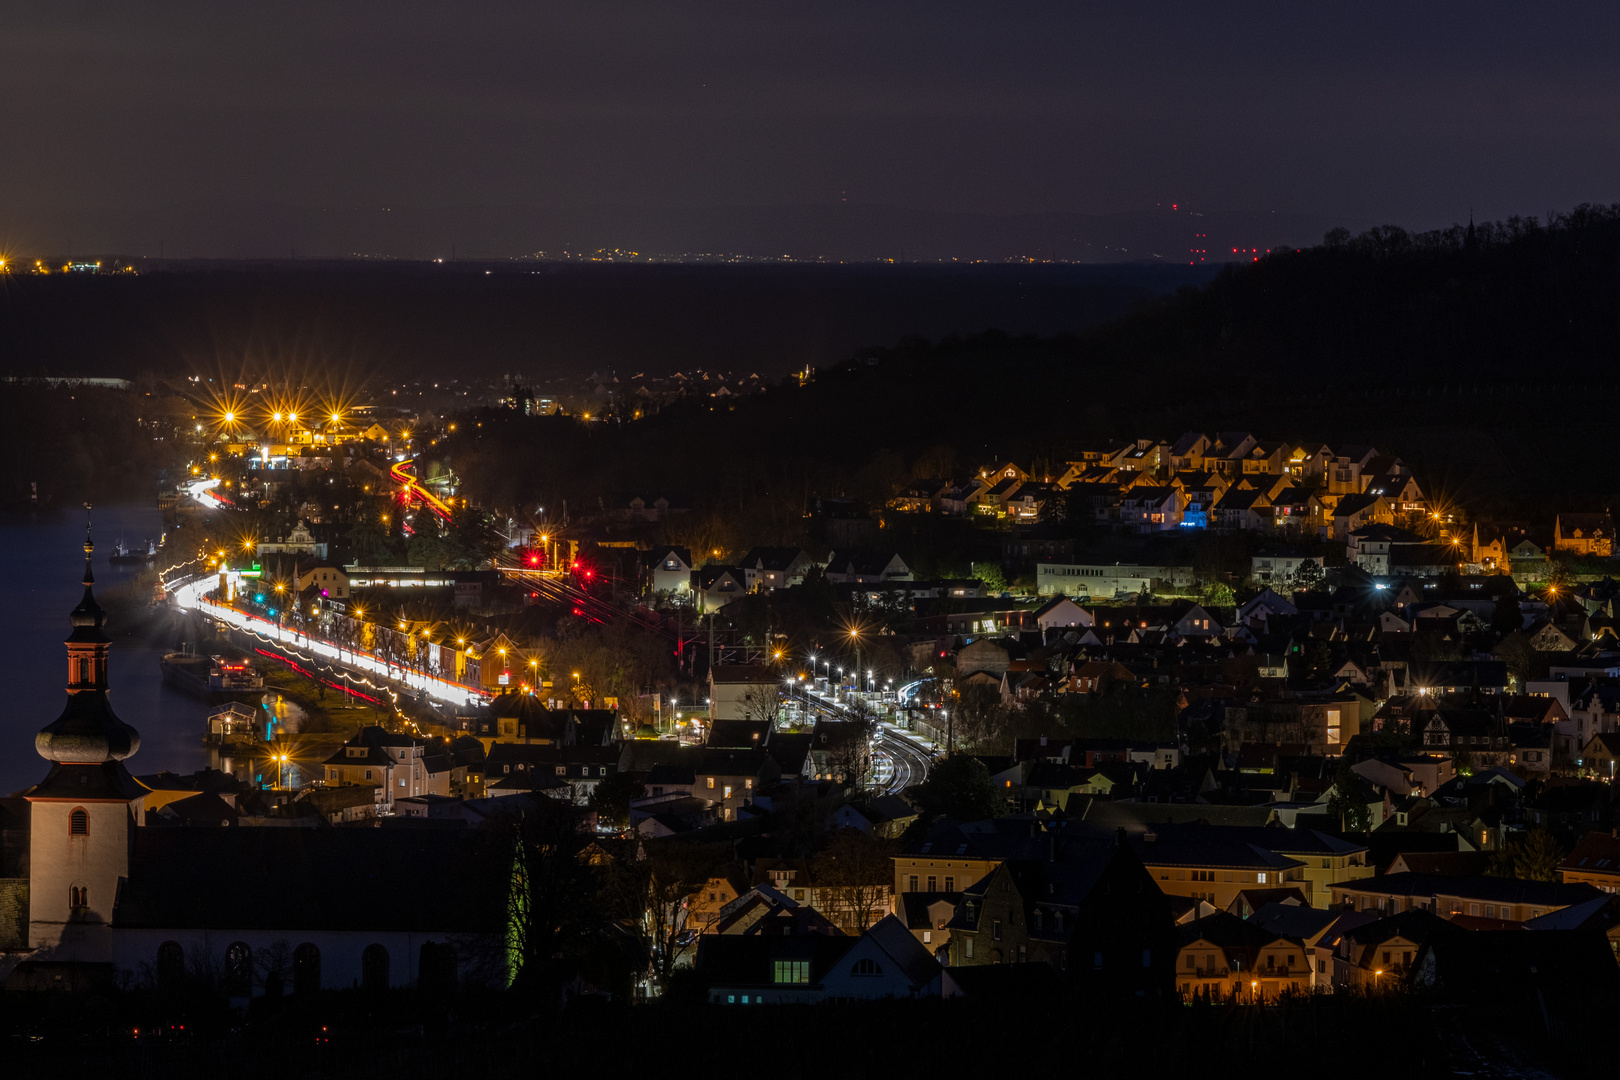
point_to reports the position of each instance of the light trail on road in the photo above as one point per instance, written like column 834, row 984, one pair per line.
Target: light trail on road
column 188, row 593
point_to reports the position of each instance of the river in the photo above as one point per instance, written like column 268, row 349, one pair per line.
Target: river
column 43, row 557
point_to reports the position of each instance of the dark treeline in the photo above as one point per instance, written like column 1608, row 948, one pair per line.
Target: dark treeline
column 77, row 443
column 400, row 321
column 1469, row 351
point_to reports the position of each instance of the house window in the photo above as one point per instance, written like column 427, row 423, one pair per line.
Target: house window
column 1097, row 960
column 866, row 967
column 1147, row 958
column 928, row 937
column 561, row 769
column 711, row 783
column 78, row 896
column 950, row 884
column 995, row 930
column 912, row 883
column 368, row 774
column 79, row 822
column 932, row 882
column 967, row 947
column 792, row 971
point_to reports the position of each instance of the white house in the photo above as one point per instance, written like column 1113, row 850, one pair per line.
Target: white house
column 671, row 572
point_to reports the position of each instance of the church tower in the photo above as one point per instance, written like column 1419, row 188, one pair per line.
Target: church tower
column 81, row 814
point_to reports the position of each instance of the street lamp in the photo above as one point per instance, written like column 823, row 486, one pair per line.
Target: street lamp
column 855, row 634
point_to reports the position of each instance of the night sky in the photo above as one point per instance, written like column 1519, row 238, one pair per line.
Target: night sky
column 130, row 125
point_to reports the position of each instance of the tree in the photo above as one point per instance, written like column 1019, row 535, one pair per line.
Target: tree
column 612, row 797
column 762, row 703
column 669, row 875
column 1308, row 576
column 1316, row 659
column 991, row 576
column 1506, row 615
column 1348, row 801
column 473, row 538
column 1217, row 594
column 1534, row 857
column 959, row 787
column 549, row 909
column 856, row 874
column 848, row 744
column 426, row 549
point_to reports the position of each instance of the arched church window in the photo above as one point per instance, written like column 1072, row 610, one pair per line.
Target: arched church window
column 171, row 963
column 306, row 969
column 374, row 968
column 238, row 969
column 79, row 822
column 78, row 896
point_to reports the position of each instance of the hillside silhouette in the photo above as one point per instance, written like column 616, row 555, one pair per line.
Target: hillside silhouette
column 1482, row 354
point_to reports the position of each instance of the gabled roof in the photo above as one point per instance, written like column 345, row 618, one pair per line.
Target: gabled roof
column 1488, row 889
column 891, row 936
column 1351, row 505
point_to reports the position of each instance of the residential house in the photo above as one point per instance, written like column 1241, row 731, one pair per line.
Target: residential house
column 1208, row 868
column 1188, row 452
column 729, row 779
column 1149, row 509
column 1279, row 565
column 860, row 566
column 1379, row 953
column 770, row 568
column 716, row 586
column 1224, row 958
column 743, row 692
column 327, row 579
column 1246, row 510
column 1344, row 472
column 1226, row 455
column 395, row 765
column 1353, row 512
column 1061, row 613
column 671, row 571
column 1298, row 509
column 1084, row 905
column 1369, row 547
column 1506, row 899
column 1595, row 861
column 780, row 969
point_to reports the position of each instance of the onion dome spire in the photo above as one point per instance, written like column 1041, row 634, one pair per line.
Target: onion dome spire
column 88, row 618
column 88, row 731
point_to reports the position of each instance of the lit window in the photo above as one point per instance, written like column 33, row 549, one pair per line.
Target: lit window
column 792, row 971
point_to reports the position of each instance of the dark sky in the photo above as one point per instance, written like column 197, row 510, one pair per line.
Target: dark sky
column 125, row 121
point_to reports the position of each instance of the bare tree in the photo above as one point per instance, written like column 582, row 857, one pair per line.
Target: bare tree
column 655, row 891
column 762, row 703
column 855, row 873
column 849, row 743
